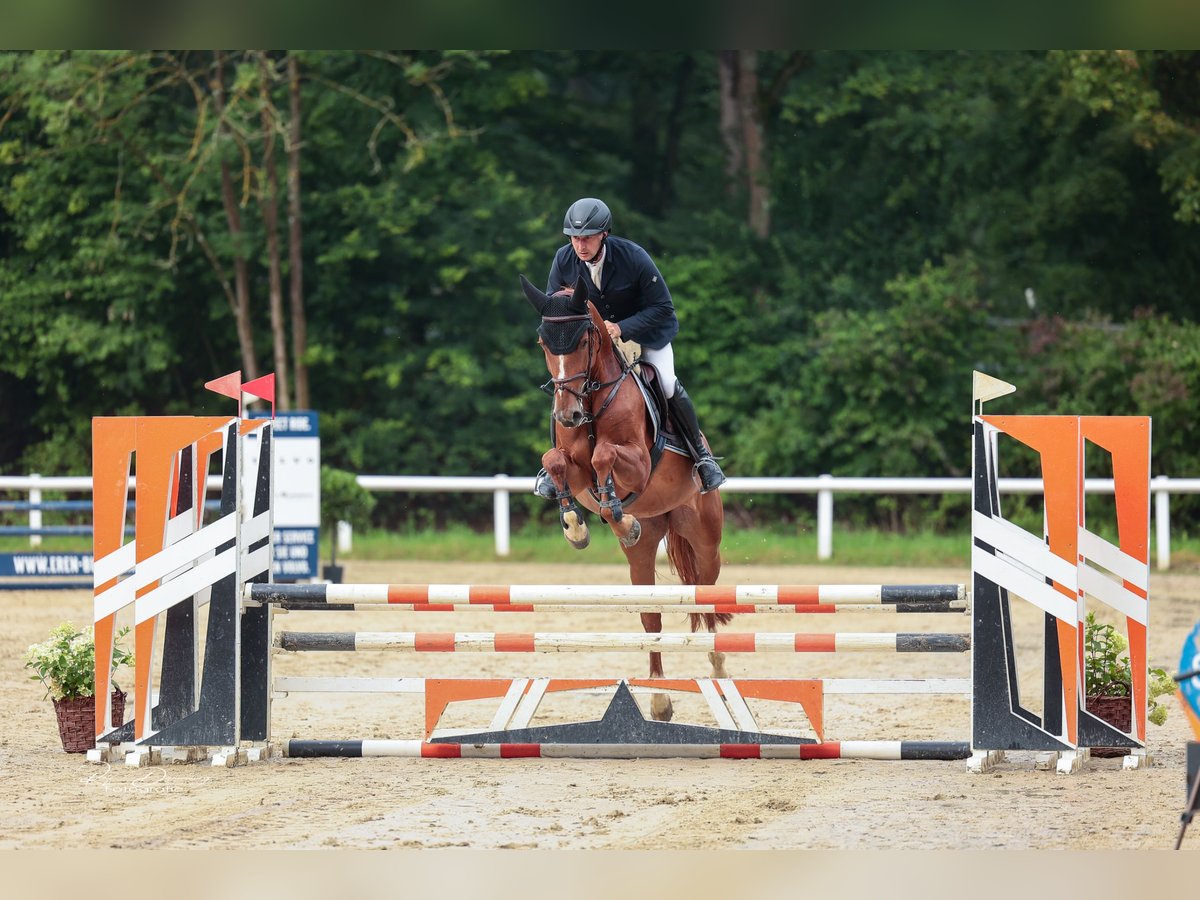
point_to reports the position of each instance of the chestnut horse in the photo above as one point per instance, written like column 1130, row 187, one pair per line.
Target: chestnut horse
column 601, row 458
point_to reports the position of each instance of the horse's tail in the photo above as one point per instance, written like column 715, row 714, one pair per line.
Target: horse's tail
column 683, row 563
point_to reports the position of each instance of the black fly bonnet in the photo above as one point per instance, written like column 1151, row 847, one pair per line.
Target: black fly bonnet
column 565, row 316
column 563, row 323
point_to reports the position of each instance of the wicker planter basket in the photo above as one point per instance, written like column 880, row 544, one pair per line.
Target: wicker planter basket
column 1117, row 712
column 77, row 720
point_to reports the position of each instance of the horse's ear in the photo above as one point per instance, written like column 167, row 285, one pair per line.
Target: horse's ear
column 580, row 296
column 535, row 297
column 595, row 314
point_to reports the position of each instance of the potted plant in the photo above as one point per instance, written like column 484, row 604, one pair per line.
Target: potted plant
column 343, row 499
column 1108, row 682
column 66, row 664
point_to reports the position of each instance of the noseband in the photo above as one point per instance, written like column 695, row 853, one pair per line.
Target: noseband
column 589, row 384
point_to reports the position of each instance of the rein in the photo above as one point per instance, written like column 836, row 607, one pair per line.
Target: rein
column 584, row 393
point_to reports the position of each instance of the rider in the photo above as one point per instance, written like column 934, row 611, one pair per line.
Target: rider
column 635, row 304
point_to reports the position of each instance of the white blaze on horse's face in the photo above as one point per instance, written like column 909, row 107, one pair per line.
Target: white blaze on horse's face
column 570, row 374
column 568, row 408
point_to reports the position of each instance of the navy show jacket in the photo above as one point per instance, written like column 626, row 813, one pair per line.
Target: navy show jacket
column 632, row 291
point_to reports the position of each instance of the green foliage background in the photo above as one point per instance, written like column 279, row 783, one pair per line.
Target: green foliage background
column 1033, row 215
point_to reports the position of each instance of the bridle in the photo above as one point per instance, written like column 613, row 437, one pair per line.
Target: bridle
column 589, row 385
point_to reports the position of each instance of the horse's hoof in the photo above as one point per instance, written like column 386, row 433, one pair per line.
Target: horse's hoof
column 661, row 709
column 635, row 532
column 575, row 530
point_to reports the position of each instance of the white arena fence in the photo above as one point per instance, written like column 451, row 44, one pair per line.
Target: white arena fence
column 503, row 486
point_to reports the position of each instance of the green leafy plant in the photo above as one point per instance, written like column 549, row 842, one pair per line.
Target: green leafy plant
column 1107, row 670
column 343, row 499
column 66, row 661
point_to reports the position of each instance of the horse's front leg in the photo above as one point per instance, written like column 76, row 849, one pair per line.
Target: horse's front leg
column 557, row 464
column 620, row 469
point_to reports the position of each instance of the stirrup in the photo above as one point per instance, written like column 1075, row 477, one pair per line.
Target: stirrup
column 711, row 476
column 544, row 486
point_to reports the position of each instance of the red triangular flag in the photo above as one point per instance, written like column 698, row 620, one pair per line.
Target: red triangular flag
column 263, row 388
column 227, row 385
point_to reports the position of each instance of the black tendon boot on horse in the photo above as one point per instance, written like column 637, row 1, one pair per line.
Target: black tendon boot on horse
column 684, row 414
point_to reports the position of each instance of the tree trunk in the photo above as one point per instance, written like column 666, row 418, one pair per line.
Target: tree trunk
column 270, row 201
column 741, row 123
column 295, row 240
column 233, row 217
column 730, row 122
column 750, row 115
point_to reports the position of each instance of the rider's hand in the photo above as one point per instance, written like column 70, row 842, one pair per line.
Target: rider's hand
column 614, row 330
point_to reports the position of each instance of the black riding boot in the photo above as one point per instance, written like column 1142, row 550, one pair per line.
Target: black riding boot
column 684, row 414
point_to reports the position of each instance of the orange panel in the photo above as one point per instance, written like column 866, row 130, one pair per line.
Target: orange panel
column 1067, row 643
column 1138, row 664
column 159, row 438
column 441, row 692
column 1056, row 438
column 1127, row 438
column 113, row 440
column 809, row 694
column 143, row 634
column 103, row 634
column 576, row 684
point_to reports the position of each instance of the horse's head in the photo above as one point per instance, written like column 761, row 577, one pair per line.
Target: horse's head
column 573, row 337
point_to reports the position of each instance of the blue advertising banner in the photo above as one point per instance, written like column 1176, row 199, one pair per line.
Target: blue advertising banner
column 296, row 500
column 45, row 565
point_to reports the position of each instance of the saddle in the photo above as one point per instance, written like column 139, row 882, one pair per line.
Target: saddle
column 663, row 432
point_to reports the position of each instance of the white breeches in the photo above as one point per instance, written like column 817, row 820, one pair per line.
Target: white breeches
column 664, row 361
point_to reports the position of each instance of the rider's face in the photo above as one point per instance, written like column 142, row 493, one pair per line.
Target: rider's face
column 587, row 246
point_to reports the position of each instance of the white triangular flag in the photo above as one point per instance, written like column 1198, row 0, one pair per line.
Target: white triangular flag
column 985, row 387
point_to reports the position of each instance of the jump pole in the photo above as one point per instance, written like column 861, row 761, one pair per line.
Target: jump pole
column 741, row 609
column 879, row 750
column 612, row 595
column 567, row 642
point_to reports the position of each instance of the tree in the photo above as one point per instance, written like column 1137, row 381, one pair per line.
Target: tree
column 1153, row 98
column 746, row 107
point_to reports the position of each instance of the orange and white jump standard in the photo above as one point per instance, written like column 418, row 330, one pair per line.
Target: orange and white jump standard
column 1058, row 571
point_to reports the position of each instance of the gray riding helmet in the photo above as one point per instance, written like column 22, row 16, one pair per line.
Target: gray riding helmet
column 587, row 216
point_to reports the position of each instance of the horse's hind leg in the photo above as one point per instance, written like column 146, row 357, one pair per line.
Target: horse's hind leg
column 701, row 530
column 641, row 559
